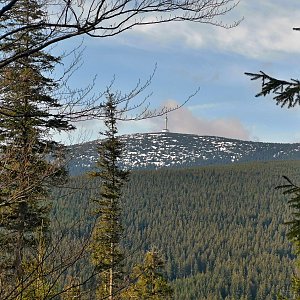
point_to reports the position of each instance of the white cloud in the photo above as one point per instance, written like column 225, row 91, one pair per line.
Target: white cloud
column 201, row 106
column 183, row 121
column 265, row 32
column 260, row 38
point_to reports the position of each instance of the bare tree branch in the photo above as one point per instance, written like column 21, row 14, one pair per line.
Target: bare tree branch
column 98, row 18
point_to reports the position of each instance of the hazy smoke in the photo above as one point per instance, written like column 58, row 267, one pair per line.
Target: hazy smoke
column 183, row 121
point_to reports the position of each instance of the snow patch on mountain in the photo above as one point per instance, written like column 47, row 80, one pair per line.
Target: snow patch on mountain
column 166, row 149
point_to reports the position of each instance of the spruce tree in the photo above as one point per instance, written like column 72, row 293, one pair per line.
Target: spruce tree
column 147, row 280
column 293, row 190
column 286, row 93
column 72, row 290
column 30, row 162
column 106, row 252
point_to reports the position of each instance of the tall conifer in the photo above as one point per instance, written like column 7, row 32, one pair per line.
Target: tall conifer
column 147, row 280
column 28, row 113
column 107, row 254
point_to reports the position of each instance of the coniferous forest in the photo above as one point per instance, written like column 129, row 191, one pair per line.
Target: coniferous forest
column 215, row 232
column 221, row 228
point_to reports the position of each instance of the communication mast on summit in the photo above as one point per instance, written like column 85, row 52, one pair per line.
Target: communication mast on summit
column 166, row 127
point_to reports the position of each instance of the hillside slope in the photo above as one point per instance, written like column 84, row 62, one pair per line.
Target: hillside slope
column 166, row 149
column 220, row 228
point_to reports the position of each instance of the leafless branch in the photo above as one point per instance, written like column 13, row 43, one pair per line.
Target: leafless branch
column 99, row 18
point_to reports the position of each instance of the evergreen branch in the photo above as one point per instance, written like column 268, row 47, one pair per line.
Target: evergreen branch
column 285, row 93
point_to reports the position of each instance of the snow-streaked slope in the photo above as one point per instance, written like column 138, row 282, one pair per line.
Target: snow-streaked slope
column 163, row 149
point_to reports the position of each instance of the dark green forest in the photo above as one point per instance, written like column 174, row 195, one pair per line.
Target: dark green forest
column 221, row 228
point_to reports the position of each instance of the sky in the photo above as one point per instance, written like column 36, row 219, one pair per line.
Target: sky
column 191, row 56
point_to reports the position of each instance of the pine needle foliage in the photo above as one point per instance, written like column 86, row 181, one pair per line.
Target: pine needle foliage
column 73, row 291
column 148, row 280
column 285, row 93
column 30, row 160
column 106, row 253
column 294, row 232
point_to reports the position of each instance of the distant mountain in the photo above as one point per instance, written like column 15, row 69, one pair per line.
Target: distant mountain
column 166, row 149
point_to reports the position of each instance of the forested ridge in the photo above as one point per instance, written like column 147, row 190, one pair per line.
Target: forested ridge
column 220, row 228
column 171, row 149
column 197, row 233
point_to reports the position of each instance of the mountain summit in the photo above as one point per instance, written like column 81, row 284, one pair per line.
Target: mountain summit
column 167, row 149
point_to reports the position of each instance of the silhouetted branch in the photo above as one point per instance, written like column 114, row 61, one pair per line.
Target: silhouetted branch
column 98, row 18
column 285, row 93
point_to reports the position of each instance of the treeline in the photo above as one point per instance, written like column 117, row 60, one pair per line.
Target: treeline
column 220, row 228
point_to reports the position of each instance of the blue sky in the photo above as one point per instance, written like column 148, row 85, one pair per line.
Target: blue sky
column 190, row 56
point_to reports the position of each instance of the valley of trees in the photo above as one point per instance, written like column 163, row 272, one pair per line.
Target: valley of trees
column 220, row 228
column 41, row 253
column 203, row 233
